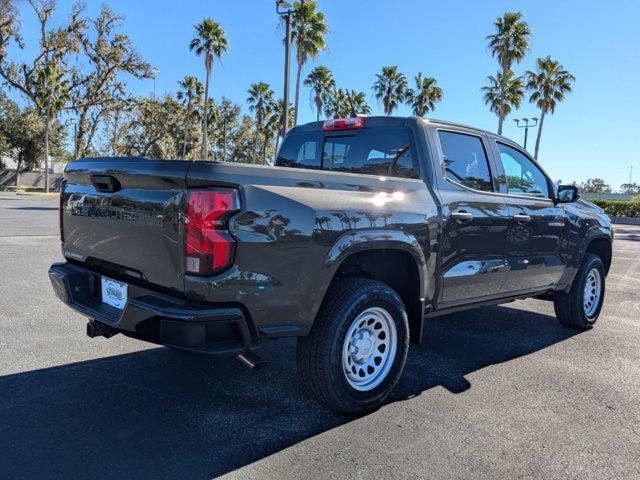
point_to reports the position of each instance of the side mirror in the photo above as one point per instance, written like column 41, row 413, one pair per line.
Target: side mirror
column 567, row 194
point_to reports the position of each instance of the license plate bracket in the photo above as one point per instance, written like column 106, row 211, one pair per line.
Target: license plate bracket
column 114, row 293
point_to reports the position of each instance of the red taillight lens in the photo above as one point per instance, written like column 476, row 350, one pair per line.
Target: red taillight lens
column 353, row 123
column 209, row 248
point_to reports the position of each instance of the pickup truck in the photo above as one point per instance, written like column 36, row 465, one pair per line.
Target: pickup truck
column 364, row 228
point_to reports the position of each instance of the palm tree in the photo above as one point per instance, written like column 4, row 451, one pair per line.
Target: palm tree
column 548, row 84
column 191, row 88
column 261, row 101
column 344, row 103
column 391, row 88
column 51, row 95
column 308, row 29
column 211, row 42
column 322, row 84
column 334, row 103
column 424, row 98
column 228, row 113
column 279, row 113
column 509, row 45
column 503, row 93
column 357, row 101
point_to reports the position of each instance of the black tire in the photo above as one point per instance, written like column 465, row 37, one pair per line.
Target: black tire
column 320, row 354
column 569, row 307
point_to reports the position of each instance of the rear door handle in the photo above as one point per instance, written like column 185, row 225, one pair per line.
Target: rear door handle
column 462, row 216
column 522, row 218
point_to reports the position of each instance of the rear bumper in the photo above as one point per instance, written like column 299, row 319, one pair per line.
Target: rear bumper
column 154, row 317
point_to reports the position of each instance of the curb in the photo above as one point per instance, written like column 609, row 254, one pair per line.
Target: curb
column 626, row 220
column 39, row 194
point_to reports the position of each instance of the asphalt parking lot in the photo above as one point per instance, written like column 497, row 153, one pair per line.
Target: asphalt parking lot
column 504, row 392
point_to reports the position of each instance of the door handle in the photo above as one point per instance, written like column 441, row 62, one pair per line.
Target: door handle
column 462, row 216
column 522, row 218
column 105, row 183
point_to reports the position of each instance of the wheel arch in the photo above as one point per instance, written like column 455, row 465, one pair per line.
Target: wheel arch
column 394, row 258
column 602, row 247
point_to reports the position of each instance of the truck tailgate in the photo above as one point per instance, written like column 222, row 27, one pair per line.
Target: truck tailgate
column 124, row 216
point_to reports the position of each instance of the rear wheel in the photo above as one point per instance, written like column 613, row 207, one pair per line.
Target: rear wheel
column 580, row 307
column 357, row 348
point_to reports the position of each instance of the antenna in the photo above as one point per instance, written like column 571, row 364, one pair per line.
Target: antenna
column 353, row 110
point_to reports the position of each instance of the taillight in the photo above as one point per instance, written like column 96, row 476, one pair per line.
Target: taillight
column 353, row 123
column 209, row 248
column 61, row 215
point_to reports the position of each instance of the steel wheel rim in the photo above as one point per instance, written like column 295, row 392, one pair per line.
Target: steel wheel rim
column 592, row 292
column 369, row 349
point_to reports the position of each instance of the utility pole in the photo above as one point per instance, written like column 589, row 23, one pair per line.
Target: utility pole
column 526, row 125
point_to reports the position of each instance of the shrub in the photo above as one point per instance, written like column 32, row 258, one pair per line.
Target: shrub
column 619, row 208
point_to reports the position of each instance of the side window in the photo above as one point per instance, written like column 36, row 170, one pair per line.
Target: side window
column 523, row 177
column 300, row 151
column 465, row 160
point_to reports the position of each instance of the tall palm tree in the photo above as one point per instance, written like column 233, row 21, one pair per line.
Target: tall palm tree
column 51, row 95
column 548, row 85
column 503, row 93
column 343, row 103
column 262, row 103
column 191, row 88
column 425, row 96
column 308, row 29
column 509, row 44
column 210, row 42
column 322, row 84
column 391, row 88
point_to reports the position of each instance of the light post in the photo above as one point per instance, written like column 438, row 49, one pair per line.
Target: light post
column 526, row 125
column 156, row 70
column 75, row 141
column 285, row 9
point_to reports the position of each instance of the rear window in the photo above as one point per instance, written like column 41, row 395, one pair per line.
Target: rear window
column 373, row 151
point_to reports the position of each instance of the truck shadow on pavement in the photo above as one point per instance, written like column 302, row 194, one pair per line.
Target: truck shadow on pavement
column 162, row 414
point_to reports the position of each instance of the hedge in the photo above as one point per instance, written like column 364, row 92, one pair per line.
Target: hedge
column 619, row 208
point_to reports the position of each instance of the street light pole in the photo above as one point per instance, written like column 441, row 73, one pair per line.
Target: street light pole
column 75, row 141
column 287, row 68
column 285, row 9
column 155, row 72
column 526, row 125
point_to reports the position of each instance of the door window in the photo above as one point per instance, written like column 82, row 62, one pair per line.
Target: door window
column 465, row 160
column 522, row 176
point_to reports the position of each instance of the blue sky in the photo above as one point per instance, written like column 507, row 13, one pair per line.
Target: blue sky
column 592, row 134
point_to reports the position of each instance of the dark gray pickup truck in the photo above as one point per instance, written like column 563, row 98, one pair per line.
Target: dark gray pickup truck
column 364, row 228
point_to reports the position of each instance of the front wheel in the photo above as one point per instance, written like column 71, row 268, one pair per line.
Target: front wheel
column 580, row 307
column 356, row 351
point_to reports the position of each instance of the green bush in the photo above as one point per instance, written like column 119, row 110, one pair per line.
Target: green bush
column 619, row 208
